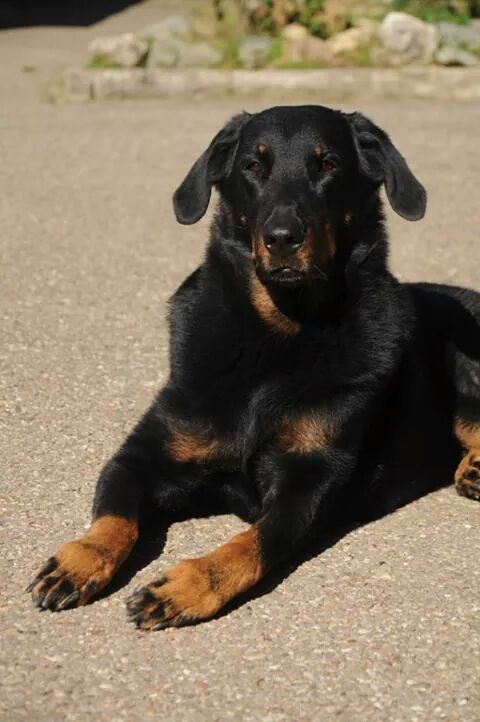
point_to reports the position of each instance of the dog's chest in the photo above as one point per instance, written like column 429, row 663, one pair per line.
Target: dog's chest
column 244, row 398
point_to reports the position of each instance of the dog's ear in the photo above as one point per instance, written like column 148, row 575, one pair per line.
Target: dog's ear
column 383, row 163
column 191, row 199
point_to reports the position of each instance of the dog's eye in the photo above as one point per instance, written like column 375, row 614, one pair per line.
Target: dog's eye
column 254, row 166
column 328, row 165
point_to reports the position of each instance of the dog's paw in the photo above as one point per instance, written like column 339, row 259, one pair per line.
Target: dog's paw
column 78, row 570
column 186, row 594
column 467, row 476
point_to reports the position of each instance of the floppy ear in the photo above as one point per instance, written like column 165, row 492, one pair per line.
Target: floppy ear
column 383, row 163
column 191, row 199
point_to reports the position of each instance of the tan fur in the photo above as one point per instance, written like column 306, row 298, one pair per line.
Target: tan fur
column 318, row 149
column 89, row 563
column 198, row 588
column 331, row 243
column 188, row 447
column 268, row 312
column 306, row 252
column 467, row 433
column 467, row 474
column 304, row 434
column 262, row 148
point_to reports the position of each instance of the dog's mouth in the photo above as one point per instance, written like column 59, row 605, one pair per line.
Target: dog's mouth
column 287, row 276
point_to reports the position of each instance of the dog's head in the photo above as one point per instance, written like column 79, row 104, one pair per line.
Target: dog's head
column 293, row 179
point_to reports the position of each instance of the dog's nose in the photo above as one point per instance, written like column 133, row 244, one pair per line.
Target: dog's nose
column 283, row 241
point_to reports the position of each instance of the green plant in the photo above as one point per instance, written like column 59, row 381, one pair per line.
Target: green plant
column 229, row 48
column 270, row 16
column 100, row 61
column 434, row 11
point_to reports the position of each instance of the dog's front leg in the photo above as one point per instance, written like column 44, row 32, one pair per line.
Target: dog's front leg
column 81, row 568
column 196, row 589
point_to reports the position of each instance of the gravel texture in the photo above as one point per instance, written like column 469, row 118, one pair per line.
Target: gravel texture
column 384, row 625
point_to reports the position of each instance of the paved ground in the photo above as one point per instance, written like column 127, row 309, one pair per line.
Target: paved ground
column 383, row 626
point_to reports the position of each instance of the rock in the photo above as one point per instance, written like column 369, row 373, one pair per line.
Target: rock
column 352, row 42
column 460, row 36
column 163, row 54
column 299, row 46
column 174, row 25
column 198, row 55
column 317, row 51
column 173, row 52
column 124, row 51
column 294, row 39
column 450, row 55
column 254, row 51
column 406, row 39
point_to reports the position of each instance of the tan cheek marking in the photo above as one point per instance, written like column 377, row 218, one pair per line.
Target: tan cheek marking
column 306, row 253
column 304, row 434
column 268, row 312
column 187, row 447
column 468, row 434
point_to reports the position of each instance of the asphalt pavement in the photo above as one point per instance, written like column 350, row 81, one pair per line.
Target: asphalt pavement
column 384, row 625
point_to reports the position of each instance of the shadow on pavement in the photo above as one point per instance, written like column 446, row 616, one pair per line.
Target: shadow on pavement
column 24, row 13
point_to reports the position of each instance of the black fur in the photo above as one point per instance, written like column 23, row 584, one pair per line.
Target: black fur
column 388, row 366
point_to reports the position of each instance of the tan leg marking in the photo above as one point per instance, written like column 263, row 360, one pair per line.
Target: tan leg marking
column 467, row 475
column 196, row 589
column 83, row 567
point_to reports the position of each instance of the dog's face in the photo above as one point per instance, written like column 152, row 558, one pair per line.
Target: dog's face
column 292, row 178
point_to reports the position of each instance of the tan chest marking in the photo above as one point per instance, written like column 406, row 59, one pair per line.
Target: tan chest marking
column 185, row 446
column 303, row 434
column 269, row 313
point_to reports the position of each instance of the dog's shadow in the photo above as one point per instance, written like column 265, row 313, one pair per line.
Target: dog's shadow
column 153, row 537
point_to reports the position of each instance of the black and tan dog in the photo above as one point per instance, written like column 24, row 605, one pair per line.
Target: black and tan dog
column 308, row 387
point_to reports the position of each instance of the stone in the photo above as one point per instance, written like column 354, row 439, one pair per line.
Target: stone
column 317, row 50
column 163, row 54
column 460, row 36
column 198, row 55
column 172, row 52
column 294, row 39
column 173, row 25
column 352, row 42
column 124, row 51
column 254, row 51
column 450, row 55
column 406, row 40
column 299, row 46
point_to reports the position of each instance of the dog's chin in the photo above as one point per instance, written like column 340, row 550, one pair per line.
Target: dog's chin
column 285, row 277
column 288, row 277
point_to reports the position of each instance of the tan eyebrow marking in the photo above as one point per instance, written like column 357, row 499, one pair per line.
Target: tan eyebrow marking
column 262, row 148
column 318, row 149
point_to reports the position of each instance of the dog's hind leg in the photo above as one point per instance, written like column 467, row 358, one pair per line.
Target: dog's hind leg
column 467, row 475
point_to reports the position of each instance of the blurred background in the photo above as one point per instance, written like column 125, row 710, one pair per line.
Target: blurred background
column 384, row 625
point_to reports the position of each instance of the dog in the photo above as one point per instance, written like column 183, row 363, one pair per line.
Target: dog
column 308, row 387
